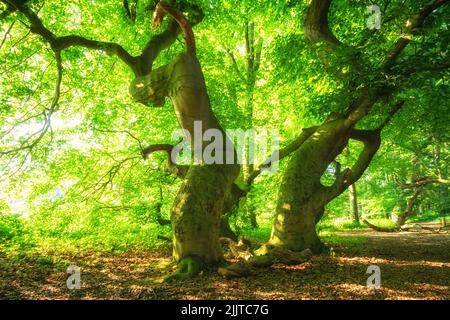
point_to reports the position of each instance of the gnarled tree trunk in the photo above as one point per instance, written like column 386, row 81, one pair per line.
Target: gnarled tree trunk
column 302, row 197
column 196, row 213
column 298, row 208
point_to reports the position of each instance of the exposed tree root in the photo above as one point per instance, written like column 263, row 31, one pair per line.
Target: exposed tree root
column 266, row 256
column 241, row 249
column 236, row 270
column 188, row 268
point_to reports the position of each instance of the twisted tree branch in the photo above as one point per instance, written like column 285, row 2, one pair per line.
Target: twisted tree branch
column 412, row 26
column 316, row 26
column 282, row 153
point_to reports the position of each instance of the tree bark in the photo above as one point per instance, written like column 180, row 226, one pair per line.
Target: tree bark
column 353, row 200
column 298, row 204
column 302, row 197
column 196, row 213
column 253, row 50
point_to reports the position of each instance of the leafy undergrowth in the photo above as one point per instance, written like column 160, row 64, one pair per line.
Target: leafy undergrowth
column 344, row 223
column 413, row 266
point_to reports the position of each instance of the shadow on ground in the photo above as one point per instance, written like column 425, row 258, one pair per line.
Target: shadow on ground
column 413, row 266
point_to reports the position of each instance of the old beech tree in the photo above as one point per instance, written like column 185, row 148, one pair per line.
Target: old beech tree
column 209, row 191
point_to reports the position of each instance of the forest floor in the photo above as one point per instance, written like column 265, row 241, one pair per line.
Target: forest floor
column 414, row 265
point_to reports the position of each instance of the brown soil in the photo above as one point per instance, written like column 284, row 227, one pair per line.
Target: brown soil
column 414, row 265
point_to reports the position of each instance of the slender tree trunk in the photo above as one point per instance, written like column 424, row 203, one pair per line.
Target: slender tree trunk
column 253, row 57
column 353, row 200
column 410, row 203
column 443, row 189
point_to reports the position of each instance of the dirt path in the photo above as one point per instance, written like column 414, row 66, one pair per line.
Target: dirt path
column 413, row 266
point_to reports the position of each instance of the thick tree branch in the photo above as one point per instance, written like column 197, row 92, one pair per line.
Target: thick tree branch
column 178, row 170
column 380, row 229
column 283, row 153
column 316, row 26
column 363, row 135
column 141, row 65
column 413, row 66
column 164, row 40
column 362, row 105
column 424, row 181
column 371, row 140
column 155, row 45
column 344, row 179
column 371, row 146
column 412, row 26
column 146, row 152
column 57, row 44
column 61, row 43
column 10, row 8
column 65, row 42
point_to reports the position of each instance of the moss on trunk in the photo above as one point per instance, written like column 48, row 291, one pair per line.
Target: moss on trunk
column 196, row 213
column 301, row 196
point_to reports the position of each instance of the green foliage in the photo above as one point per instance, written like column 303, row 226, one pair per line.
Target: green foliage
column 85, row 187
column 258, row 235
column 338, row 240
column 15, row 236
